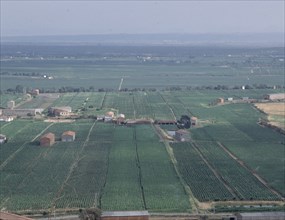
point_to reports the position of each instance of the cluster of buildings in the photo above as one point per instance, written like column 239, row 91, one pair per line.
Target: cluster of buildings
column 48, row 139
column 110, row 117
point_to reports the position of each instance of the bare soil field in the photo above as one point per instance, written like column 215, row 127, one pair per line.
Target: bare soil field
column 275, row 112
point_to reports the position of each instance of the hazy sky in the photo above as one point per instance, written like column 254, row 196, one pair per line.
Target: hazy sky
column 110, row 17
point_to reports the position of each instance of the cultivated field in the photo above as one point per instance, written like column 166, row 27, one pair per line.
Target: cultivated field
column 231, row 159
column 128, row 168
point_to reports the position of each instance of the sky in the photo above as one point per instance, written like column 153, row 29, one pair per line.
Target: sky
column 42, row 17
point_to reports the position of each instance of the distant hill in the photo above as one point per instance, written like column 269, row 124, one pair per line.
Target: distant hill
column 238, row 39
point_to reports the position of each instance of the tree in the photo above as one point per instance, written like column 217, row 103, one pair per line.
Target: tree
column 19, row 89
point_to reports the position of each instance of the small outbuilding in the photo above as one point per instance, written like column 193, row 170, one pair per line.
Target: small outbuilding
column 68, row 136
column 125, row 215
column 47, row 140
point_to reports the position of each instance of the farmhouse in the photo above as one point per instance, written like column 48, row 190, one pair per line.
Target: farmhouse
column 3, row 139
column 274, row 97
column 125, row 215
column 47, row 140
column 68, row 136
column 182, row 135
column 35, row 92
column 261, row 216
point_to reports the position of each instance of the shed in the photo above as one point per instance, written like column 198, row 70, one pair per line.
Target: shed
column 261, row 216
column 125, row 215
column 68, row 136
column 47, row 140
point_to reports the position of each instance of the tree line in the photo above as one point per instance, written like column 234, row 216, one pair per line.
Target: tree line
column 67, row 89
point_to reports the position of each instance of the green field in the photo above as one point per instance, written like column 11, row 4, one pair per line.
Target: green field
column 127, row 168
column 230, row 156
column 103, row 67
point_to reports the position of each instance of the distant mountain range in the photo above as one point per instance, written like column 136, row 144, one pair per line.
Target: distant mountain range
column 238, row 39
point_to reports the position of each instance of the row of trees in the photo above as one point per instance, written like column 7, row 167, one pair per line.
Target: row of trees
column 66, row 89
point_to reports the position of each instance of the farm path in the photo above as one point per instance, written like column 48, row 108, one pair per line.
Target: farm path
column 192, row 200
column 4, row 164
column 264, row 182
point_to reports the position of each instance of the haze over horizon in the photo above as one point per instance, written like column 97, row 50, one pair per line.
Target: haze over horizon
column 50, row 18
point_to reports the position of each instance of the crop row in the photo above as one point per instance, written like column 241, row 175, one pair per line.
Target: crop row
column 202, row 181
column 241, row 181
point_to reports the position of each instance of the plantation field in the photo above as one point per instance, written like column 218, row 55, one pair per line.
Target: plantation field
column 230, row 158
column 156, row 67
column 108, row 166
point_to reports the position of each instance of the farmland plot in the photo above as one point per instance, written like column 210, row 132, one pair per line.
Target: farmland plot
column 202, row 181
column 265, row 158
column 161, row 186
column 241, row 181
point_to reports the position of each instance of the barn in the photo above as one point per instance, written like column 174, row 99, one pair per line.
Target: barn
column 261, row 216
column 125, row 215
column 47, row 140
column 68, row 136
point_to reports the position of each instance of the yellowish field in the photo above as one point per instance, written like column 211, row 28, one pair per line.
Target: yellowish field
column 275, row 112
